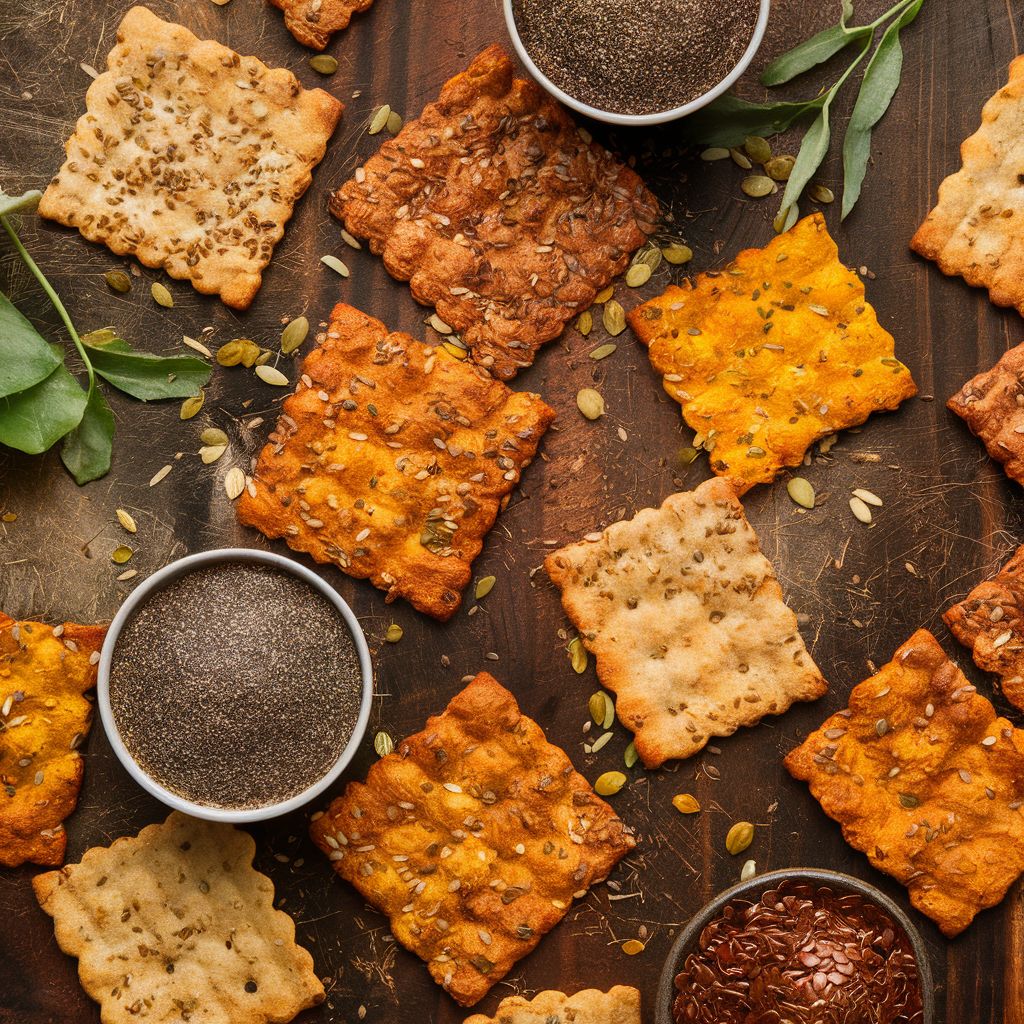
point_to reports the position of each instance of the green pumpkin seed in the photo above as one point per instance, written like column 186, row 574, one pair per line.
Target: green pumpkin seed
column 323, row 64
column 394, row 122
column 590, row 403
column 585, row 323
column 383, row 744
column 121, row 554
column 759, row 150
column 271, row 375
column 757, row 186
column 603, row 351
column 213, row 436
column 394, row 633
column 909, row 800
column 230, row 354
column 801, row 491
column 779, row 168
column 454, row 350
column 740, row 159
column 638, row 274
column 294, row 334
column 191, row 406
column 604, row 295
column 685, row 456
column 740, row 836
column 577, row 655
column 161, row 296
column 609, row 784
column 648, row 255
column 484, row 587
column 379, row 120
column 126, row 521
column 118, row 281
column 821, row 194
column 210, row 453
column 715, row 153
column 677, row 254
column 613, row 318
column 335, row 264
column 630, row 757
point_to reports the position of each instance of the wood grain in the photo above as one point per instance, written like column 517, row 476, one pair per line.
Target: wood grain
column 949, row 517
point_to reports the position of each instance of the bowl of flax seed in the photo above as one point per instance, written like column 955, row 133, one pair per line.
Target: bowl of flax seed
column 636, row 64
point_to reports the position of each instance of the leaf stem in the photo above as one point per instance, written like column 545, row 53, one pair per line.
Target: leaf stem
column 896, row 8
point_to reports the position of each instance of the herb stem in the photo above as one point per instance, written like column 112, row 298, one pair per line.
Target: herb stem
column 896, row 8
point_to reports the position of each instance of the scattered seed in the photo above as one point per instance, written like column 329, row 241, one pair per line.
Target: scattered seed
column 677, row 254
column 231, row 353
column 484, row 586
column 438, row 324
column 350, row 240
column 585, row 323
column 613, row 318
column 867, row 497
column 758, row 185
column 121, row 554
column 394, row 633
column 715, row 153
column 89, row 70
column 685, row 803
column 128, row 574
column 748, row 871
column 271, row 375
column 779, row 168
column 126, row 520
column 160, row 474
column 648, row 255
column 740, row 159
column 637, row 275
column 602, row 711
column 603, row 351
column 335, row 264
column 394, row 122
column 196, row 346
column 294, row 334
column 118, row 281
column 234, row 483
column 685, row 456
column 633, row 946
column 577, row 655
column 860, row 510
column 759, row 150
column 821, row 194
column 740, row 836
column 161, row 296
column 609, row 783
column 801, row 491
column 323, row 64
column 600, row 742
column 213, row 436
column 379, row 120
column 383, row 744
column 192, row 405
column 630, row 757
column 210, row 453
column 590, row 403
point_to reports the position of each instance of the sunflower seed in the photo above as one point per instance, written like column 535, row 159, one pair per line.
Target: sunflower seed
column 748, row 871
column 740, row 159
column 294, row 334
column 160, row 474
column 860, row 510
column 335, row 264
column 590, row 403
column 350, row 240
column 867, row 497
column 118, row 281
column 196, row 346
column 161, row 296
column 630, row 757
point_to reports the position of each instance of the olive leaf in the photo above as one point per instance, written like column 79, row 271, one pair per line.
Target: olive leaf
column 729, row 120
column 88, row 449
column 816, row 50
column 144, row 375
column 35, row 419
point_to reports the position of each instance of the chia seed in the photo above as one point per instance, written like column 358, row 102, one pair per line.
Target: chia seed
column 236, row 686
column 636, row 58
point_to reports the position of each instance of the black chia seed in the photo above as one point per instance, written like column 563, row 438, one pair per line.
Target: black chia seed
column 236, row 686
column 636, row 58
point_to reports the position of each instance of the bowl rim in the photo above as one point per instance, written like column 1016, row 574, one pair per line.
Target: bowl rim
column 160, row 579
column 639, row 120
column 759, row 884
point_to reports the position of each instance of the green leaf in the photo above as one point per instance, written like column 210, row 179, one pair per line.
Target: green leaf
column 15, row 204
column 812, row 52
column 87, row 450
column 34, row 420
column 25, row 356
column 877, row 88
column 146, row 376
column 729, row 120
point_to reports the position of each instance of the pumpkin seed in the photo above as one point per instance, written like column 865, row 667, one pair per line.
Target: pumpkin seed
column 294, row 334
column 868, row 497
column 630, row 757
column 779, row 168
column 192, row 405
column 740, row 159
column 685, row 803
column 383, row 744
column 685, row 456
column 121, row 554
column 323, row 64
column 230, row 353
column 715, row 153
column 748, row 871
column 394, row 123
column 801, row 491
column 822, row 194
column 350, row 240
column 601, row 708
column 860, row 509
column 196, row 346
column 609, row 783
column 379, row 120
column 271, row 375
column 454, row 350
column 740, row 836
column 118, row 281
column 394, row 633
column 484, row 586
column 234, row 483
column 590, row 403
column 613, row 318
column 577, row 655
column 585, row 323
column 210, row 453
column 759, row 150
column 677, row 253
column 9, row 517
column 126, row 521
column 786, row 218
column 757, row 186
column 633, row 946
column 604, row 295
column 637, row 275
column 438, row 324
column 161, row 296
column 601, row 742
column 648, row 255
column 909, row 800
column 603, row 351
column 213, row 436
column 335, row 264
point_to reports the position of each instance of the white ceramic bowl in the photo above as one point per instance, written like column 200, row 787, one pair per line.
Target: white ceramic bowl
column 638, row 120
column 161, row 579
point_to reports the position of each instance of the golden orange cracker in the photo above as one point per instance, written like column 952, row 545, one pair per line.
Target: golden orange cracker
column 499, row 212
column 313, row 22
column 474, row 837
column 393, row 461
column 926, row 780
column 44, row 716
column 777, row 350
column 619, row 1005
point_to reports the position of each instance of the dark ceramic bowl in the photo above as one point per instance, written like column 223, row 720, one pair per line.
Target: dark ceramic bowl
column 753, row 889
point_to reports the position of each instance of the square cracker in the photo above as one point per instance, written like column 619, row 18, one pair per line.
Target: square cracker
column 777, row 350
column 44, row 716
column 992, row 405
column 990, row 621
column 976, row 230
column 392, row 461
column 926, row 780
column 499, row 212
column 687, row 622
column 175, row 925
column 474, row 837
column 619, row 1005
column 190, row 157
column 313, row 22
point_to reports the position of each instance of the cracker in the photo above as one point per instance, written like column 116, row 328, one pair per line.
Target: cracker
column 393, row 461
column 990, row 621
column 474, row 837
column 620, row 1005
column 313, row 22
column 776, row 351
column 992, row 405
column 499, row 212
column 44, row 717
column 927, row 781
column 687, row 621
column 174, row 924
column 190, row 157
column 976, row 230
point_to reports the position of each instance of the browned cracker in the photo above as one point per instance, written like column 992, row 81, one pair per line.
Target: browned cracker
column 687, row 621
column 619, row 1005
column 313, row 22
column 190, row 157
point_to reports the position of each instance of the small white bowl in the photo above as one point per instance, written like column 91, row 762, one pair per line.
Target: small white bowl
column 638, row 120
column 161, row 579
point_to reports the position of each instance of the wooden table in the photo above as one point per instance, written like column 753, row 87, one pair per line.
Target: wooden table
column 950, row 515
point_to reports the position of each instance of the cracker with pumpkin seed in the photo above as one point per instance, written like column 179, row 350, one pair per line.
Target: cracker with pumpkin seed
column 174, row 924
column 45, row 673
column 776, row 351
column 687, row 622
column 619, row 1005
column 499, row 212
column 313, row 22
column 474, row 837
column 927, row 780
column 190, row 157
column 392, row 460
column 990, row 621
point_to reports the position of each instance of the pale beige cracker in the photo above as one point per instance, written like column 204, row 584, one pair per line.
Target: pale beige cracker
column 619, row 1005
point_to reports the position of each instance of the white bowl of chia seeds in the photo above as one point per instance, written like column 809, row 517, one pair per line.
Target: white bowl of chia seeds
column 636, row 64
column 235, row 685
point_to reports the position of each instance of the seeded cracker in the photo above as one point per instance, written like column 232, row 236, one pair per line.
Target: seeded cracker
column 44, row 717
column 190, row 157
column 976, row 230
column 990, row 621
column 927, row 781
column 620, row 1005
column 391, row 460
column 777, row 350
column 174, row 924
column 313, row 22
column 498, row 212
column 687, row 622
column 474, row 837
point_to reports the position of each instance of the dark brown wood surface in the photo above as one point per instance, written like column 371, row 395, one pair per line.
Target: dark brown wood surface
column 950, row 516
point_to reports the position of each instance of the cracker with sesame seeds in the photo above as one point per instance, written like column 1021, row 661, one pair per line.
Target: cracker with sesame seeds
column 776, row 351
column 619, row 1005
column 175, row 924
column 392, row 460
column 992, row 405
column 926, row 780
column 499, row 212
column 45, row 673
column 990, row 621
column 190, row 157
column 313, row 22
column 687, row 622
column 474, row 836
